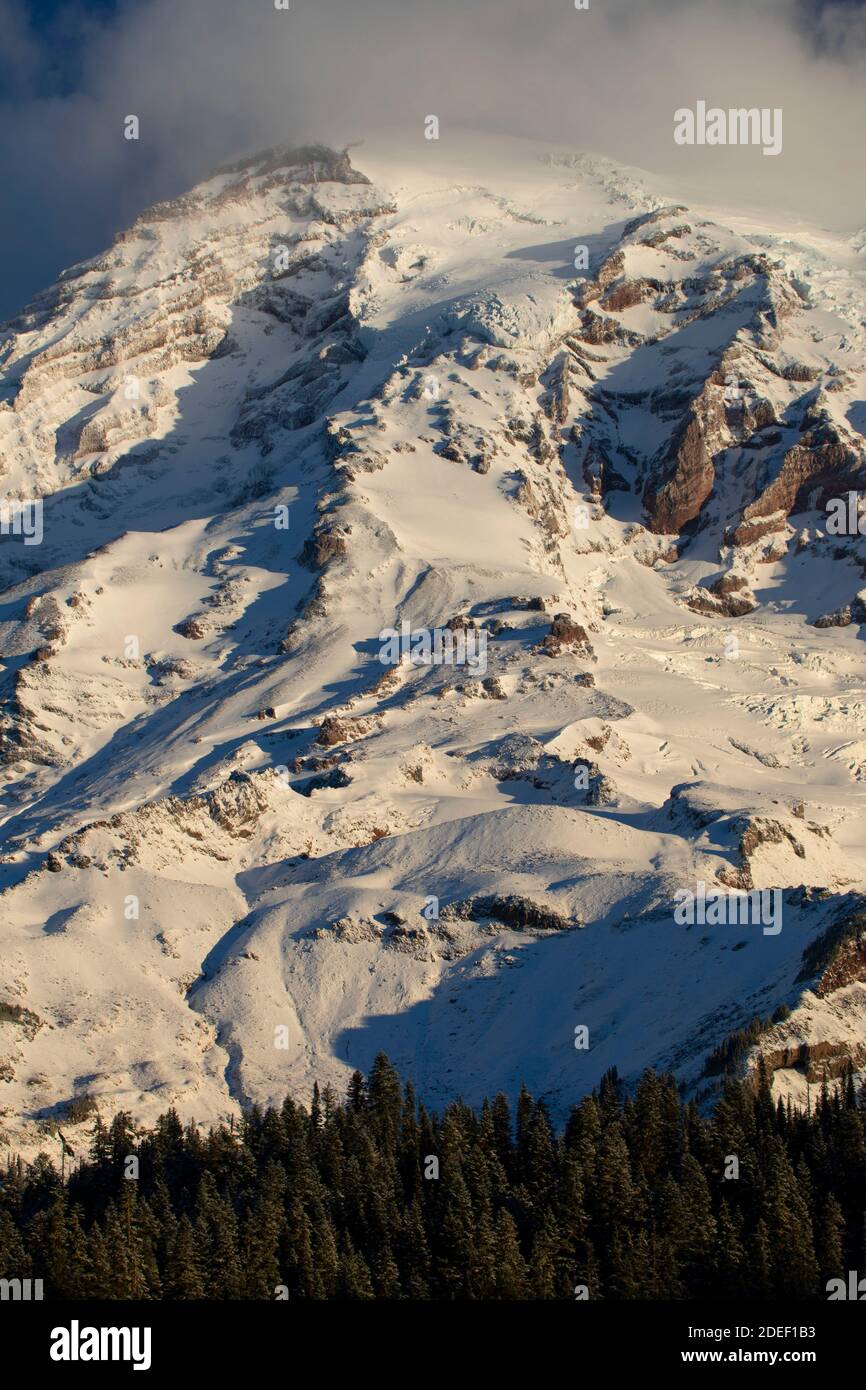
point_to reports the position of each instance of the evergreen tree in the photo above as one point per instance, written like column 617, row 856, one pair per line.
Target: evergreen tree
column 512, row 1281
column 729, row 1260
column 183, row 1277
column 341, row 1201
column 830, row 1241
column 543, row 1260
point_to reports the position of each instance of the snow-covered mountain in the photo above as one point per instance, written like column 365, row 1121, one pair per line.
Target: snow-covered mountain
column 540, row 409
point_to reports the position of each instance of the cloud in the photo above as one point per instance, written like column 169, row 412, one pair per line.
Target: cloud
column 213, row 78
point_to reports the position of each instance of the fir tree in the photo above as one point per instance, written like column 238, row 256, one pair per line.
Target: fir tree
column 183, row 1277
column 630, row 1201
column 511, row 1273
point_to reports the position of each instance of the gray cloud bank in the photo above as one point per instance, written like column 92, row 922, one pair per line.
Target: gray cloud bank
column 213, row 78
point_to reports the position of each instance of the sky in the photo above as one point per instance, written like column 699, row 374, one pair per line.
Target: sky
column 213, row 79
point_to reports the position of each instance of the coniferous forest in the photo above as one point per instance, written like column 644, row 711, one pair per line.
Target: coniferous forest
column 374, row 1197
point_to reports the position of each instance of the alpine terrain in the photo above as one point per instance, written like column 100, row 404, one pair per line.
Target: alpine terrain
column 432, row 624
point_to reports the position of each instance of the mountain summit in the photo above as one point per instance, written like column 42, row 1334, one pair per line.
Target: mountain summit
column 443, row 638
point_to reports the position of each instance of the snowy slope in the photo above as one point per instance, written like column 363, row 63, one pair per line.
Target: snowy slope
column 296, row 409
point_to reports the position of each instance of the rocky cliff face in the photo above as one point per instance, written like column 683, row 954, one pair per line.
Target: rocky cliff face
column 689, row 473
column 413, row 618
